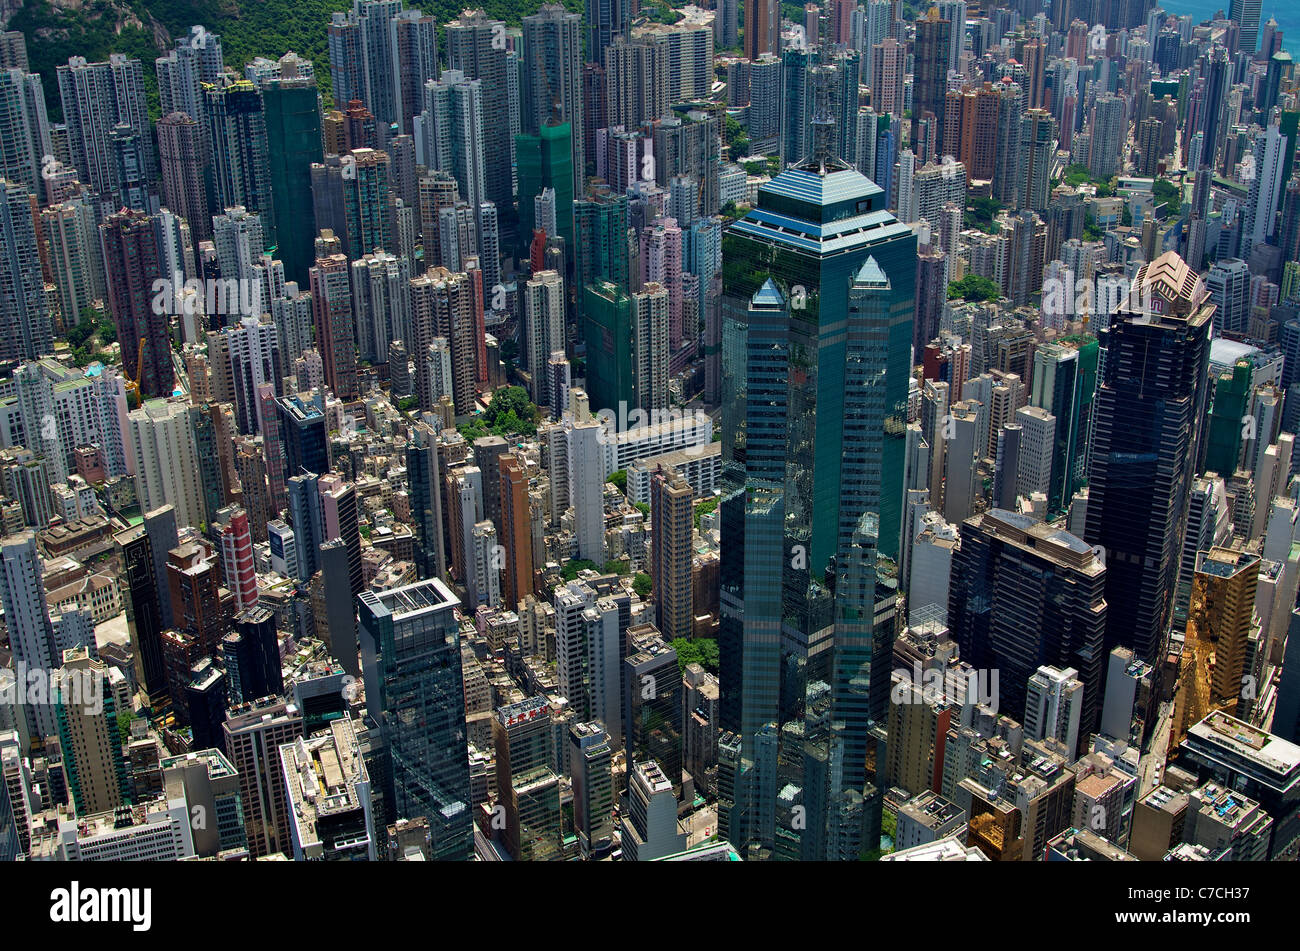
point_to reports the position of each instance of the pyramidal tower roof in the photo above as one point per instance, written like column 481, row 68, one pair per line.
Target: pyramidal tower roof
column 769, row 295
column 1172, row 286
column 871, row 275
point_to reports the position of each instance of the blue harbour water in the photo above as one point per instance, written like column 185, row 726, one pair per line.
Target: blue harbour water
column 1286, row 13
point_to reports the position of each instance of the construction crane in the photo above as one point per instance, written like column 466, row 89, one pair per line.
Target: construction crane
column 133, row 386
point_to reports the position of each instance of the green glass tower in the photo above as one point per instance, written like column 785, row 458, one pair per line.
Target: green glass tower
column 1231, row 395
column 607, row 330
column 1065, row 381
column 293, row 132
column 601, row 251
column 817, row 326
column 545, row 160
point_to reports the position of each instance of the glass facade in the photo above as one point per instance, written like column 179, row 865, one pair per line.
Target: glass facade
column 293, row 143
column 818, row 285
column 410, row 658
column 601, row 252
column 607, row 330
column 545, row 160
column 1065, row 382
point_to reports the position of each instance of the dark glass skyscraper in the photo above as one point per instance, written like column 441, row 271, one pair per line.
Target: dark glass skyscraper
column 817, row 337
column 302, row 427
column 1024, row 595
column 426, row 501
column 1147, row 424
column 143, row 603
column 240, row 167
column 410, row 660
column 1064, row 384
column 605, row 20
column 293, row 144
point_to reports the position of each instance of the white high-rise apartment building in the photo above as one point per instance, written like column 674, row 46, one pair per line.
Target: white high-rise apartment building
column 450, row 132
column 31, row 636
column 1054, row 704
column 544, row 329
column 650, row 350
column 97, row 97
column 485, row 582
column 587, row 647
column 164, row 460
column 587, row 486
column 1037, row 441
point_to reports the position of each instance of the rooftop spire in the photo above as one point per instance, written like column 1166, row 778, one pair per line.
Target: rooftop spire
column 823, row 158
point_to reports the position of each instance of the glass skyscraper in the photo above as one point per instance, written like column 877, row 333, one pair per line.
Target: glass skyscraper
column 1065, row 382
column 1147, row 428
column 545, row 161
column 410, row 660
column 817, row 321
column 293, row 142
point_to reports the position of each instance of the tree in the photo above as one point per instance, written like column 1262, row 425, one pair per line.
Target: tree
column 1076, row 175
column 472, row 429
column 616, row 566
column 619, row 480
column 509, row 354
column 569, row 572
column 700, row 650
column 972, row 287
column 704, row 508
column 107, row 331
column 642, row 584
column 512, row 399
column 1167, row 194
column 83, row 331
column 510, row 413
column 737, row 140
column 980, row 213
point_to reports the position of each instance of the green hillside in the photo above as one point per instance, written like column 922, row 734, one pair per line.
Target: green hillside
column 248, row 28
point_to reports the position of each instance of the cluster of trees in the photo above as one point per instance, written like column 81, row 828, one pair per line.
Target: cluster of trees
column 980, row 213
column 704, row 508
column 659, row 12
column 615, row 566
column 737, row 140
column 509, row 413
column 1076, row 175
column 82, row 338
column 1168, row 194
column 700, row 650
column 972, row 287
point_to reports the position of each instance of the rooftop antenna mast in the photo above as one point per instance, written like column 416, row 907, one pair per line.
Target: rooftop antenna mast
column 823, row 158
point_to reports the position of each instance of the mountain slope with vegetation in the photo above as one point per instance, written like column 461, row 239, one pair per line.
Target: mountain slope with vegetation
column 57, row 29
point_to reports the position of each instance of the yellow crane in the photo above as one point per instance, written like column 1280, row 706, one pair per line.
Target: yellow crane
column 133, row 386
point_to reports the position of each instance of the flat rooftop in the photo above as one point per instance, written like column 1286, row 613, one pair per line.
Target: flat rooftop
column 413, row 598
column 1251, row 743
